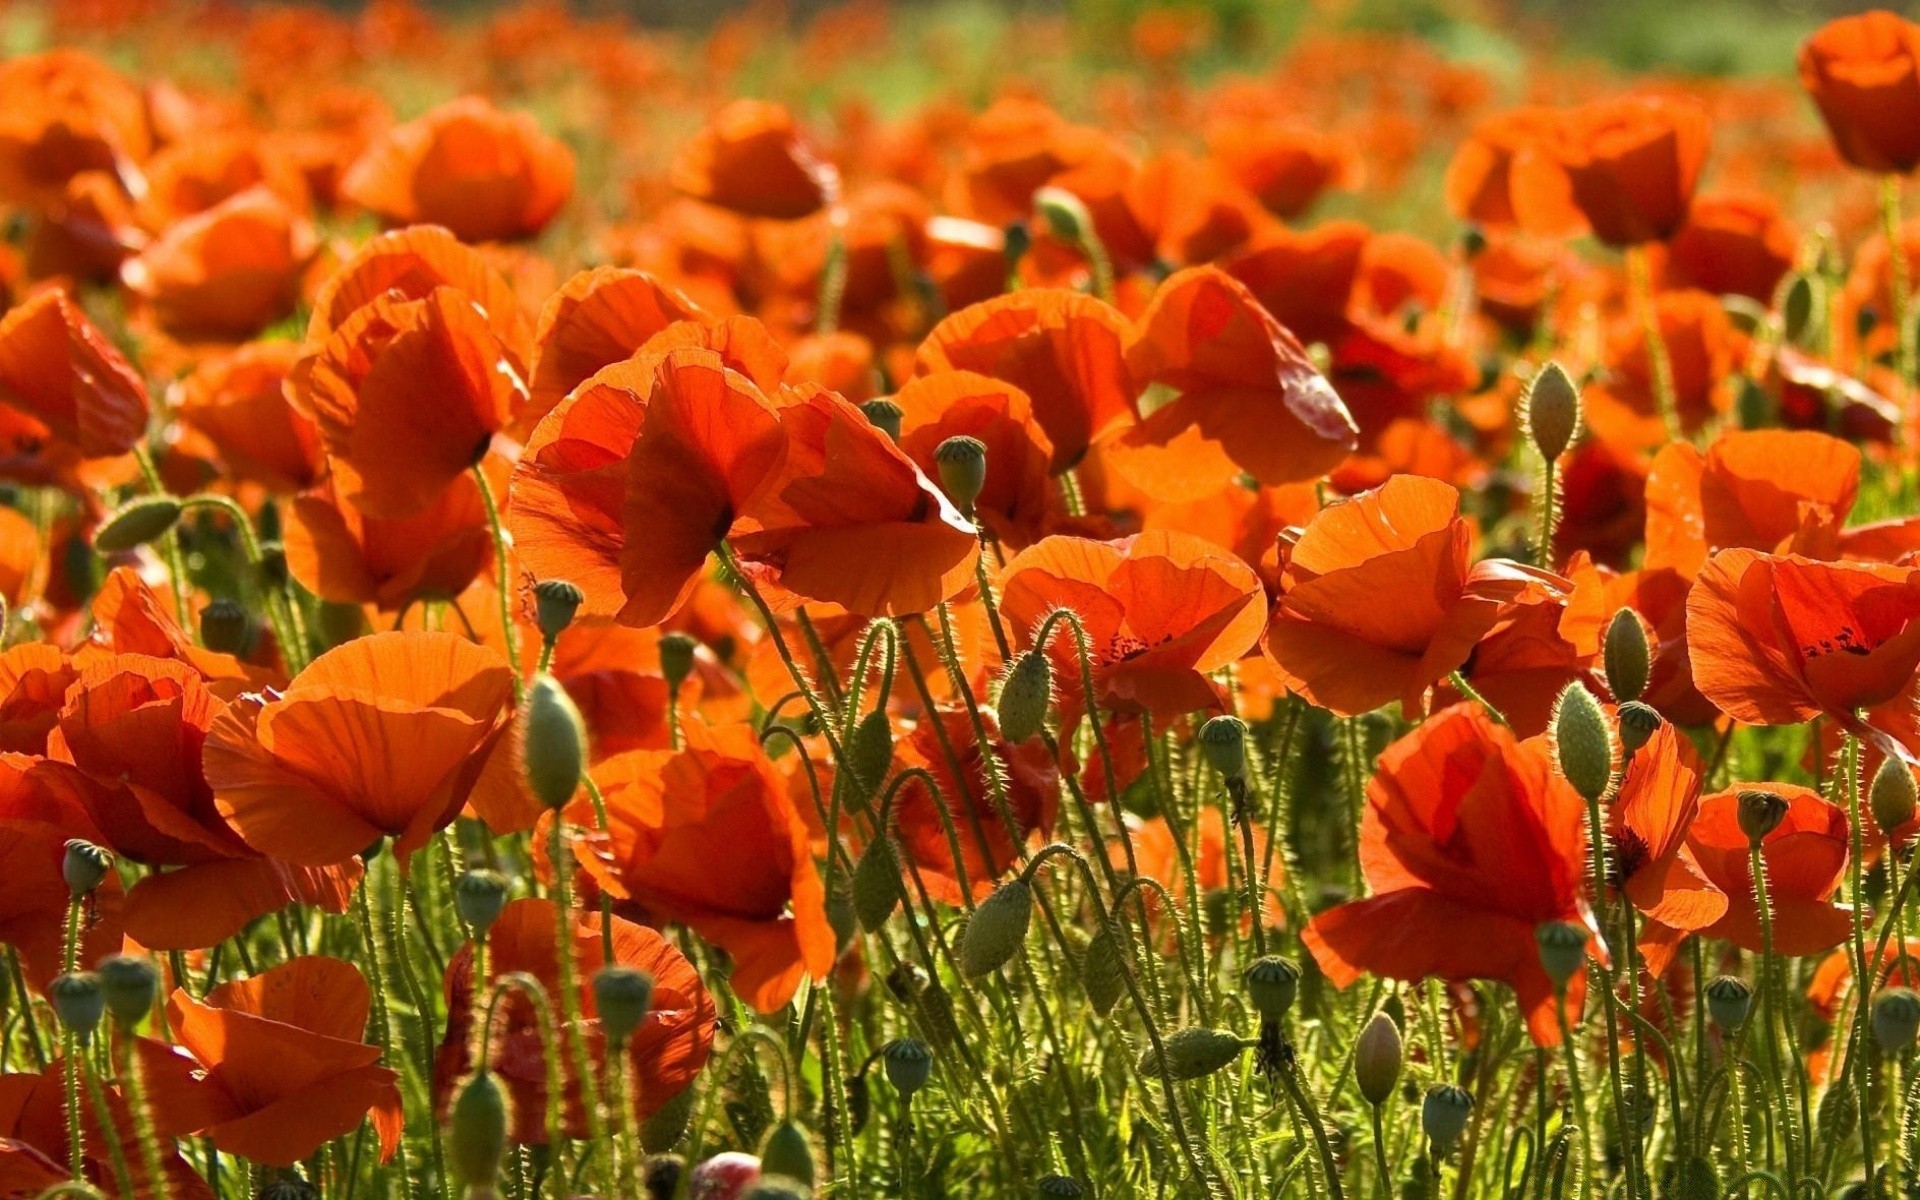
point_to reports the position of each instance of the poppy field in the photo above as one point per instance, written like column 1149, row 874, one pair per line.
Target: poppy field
column 1112, row 601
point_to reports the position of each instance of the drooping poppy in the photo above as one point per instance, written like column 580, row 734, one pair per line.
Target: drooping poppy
column 1018, row 494
column 1863, row 71
column 1469, row 843
column 1772, row 490
column 1633, row 162
column 943, row 743
column 1648, row 821
column 237, row 400
column 42, row 805
column 484, row 174
column 600, row 317
column 752, row 158
column 1806, row 856
column 708, row 837
column 226, row 273
column 666, row 1052
column 62, row 379
column 1504, row 175
column 381, row 736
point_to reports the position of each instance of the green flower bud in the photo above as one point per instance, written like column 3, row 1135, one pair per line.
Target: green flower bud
column 787, row 1152
column 962, row 462
column 1552, row 411
column 1057, row 1187
column 1626, row 655
column 869, row 756
column 79, row 1001
column 136, row 523
column 1193, row 1053
column 876, row 883
column 622, row 996
column 1026, row 692
column 1271, row 984
column 1065, row 214
column 1729, row 1000
column 556, row 743
column 1102, row 973
column 1583, row 744
column 666, row 1127
column 1563, row 949
column 84, row 866
column 1760, row 813
column 883, row 414
column 908, row 1063
column 1753, row 406
column 1800, row 303
column 479, row 896
column 1892, row 796
column 772, row 1187
column 477, row 1133
column 1638, row 723
column 1444, row 1114
column 677, row 652
column 1224, row 741
column 131, row 985
column 1376, row 1059
column 1896, row 1018
column 226, row 627
column 997, row 929
column 273, row 564
column 555, row 601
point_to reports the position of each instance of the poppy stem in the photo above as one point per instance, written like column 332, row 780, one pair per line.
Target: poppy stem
column 1578, row 1092
column 573, row 1021
column 1862, row 977
column 503, row 574
column 1773, row 1022
column 133, row 1087
column 177, row 580
column 1659, row 361
column 1549, row 513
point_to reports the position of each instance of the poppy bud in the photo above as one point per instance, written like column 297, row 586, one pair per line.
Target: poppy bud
column 1728, row 1002
column 1193, row 1053
column 909, row 1064
column 776, row 1188
column 622, row 996
column 997, row 929
column 1553, row 411
column 1376, row 1059
column 1224, row 741
column 1626, row 656
column 1015, row 240
column 1896, row 1018
column 1057, row 1187
column 876, row 883
column 788, row 1153
column 1752, row 405
column 1892, row 796
column 1026, row 691
column 1563, row 950
column 1760, row 813
column 479, row 896
column 556, row 743
column 79, row 1001
column 1800, row 307
column 962, row 462
column 677, row 653
column 1102, row 973
column 666, row 1127
column 84, row 866
column 1582, row 742
column 1271, row 984
column 273, row 564
column 136, row 523
column 554, row 603
column 1443, row 1115
column 1638, row 723
column 477, row 1133
column 884, row 415
column 869, row 755
column 225, row 626
column 1066, row 215
column 131, row 985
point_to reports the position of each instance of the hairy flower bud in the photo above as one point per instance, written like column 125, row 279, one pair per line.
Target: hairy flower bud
column 788, row 1152
column 1626, row 656
column 997, row 929
column 136, row 523
column 677, row 651
column 1376, row 1059
column 1026, row 691
column 1582, row 742
column 1192, row 1053
column 556, row 743
column 477, row 1133
column 1065, row 214
column 869, row 751
column 876, row 883
column 1892, row 795
column 1552, row 411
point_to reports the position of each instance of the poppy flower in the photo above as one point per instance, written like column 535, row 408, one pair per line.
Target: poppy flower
column 1704, row 352
column 1013, row 149
column 1805, row 856
column 282, row 1064
column 381, row 736
column 1162, row 612
column 189, row 176
column 85, row 232
column 1305, row 279
column 1773, row 490
column 1548, row 635
column 667, row 1051
column 1733, row 244
column 1286, row 164
column 42, row 805
column 1633, row 163
column 413, row 262
column 1505, row 176
column 1017, row 497
column 1190, row 209
column 342, row 554
column 879, row 229
column 1064, row 349
column 601, row 317
column 62, row 379
column 1863, row 71
column 486, row 175
column 708, row 837
column 407, row 395
column 129, row 617
column 1469, row 843
column 1379, row 599
column 226, row 273
column 237, row 401
column 1236, row 381
column 752, row 158
column 1780, row 639
column 68, row 112
column 34, row 1141
column 1647, row 825
column 943, row 743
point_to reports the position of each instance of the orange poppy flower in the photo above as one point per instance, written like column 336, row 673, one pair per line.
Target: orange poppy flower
column 129, row 617
column 1734, row 243
column 1235, row 380
column 666, row 1052
column 413, row 262
column 204, row 169
column 1633, row 163
column 408, row 395
column 1162, row 612
column 1780, row 639
column 1469, row 843
column 1286, row 164
column 34, row 1141
column 1379, row 600
column 282, row 1064
column 1012, row 150
column 62, row 379
column 1548, row 635
column 987, row 848
column 752, row 158
column 19, row 556
column 226, row 273
column 67, row 112
column 1647, row 824
column 841, row 362
column 599, row 318
column 486, row 175
column 237, row 401
column 42, row 805
column 1064, row 349
column 1306, row 279
column 1018, row 495
column 383, row 735
column 342, row 554
column 708, row 837
column 1191, row 210
column 1863, row 71
column 1704, row 350
column 1805, row 855
column 1772, row 490
column 1505, row 176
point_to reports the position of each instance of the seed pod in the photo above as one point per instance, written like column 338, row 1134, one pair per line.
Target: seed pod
column 1376, row 1059
column 1582, row 742
column 962, row 463
column 84, row 866
column 1729, row 1000
column 883, row 414
column 876, row 883
column 997, row 929
column 677, row 651
column 131, row 985
column 1553, row 411
column 1224, row 741
column 1563, row 949
column 225, row 626
column 1896, row 1018
column 1271, row 984
column 869, row 756
column 1102, row 973
column 1057, row 1187
column 479, row 896
column 1444, row 1114
column 787, row 1152
column 1626, row 656
column 477, row 1132
column 1065, row 214
column 1193, row 1053
column 555, row 601
column 1760, row 813
column 79, row 1001
column 1026, row 692
column 556, row 743
column 1638, row 723
column 622, row 995
column 1892, row 796
column 136, row 523
column 908, row 1063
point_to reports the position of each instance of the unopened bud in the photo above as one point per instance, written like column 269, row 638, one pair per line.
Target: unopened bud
column 677, row 652
column 1892, row 796
column 869, row 753
column 1102, row 973
column 1192, row 1053
column 1025, row 695
column 1896, row 1018
column 1224, row 741
column 1376, row 1059
column 84, row 866
column 1563, row 950
column 555, row 752
column 788, row 1153
column 1627, row 656
column 131, row 985
column 884, row 415
column 226, row 627
column 1638, row 723
column 1553, row 411
column 1444, row 1114
column 909, row 1064
column 79, row 1001
column 1582, row 742
column 876, row 883
column 555, row 601
column 479, row 896
column 1728, row 1002
column 622, row 996
column 1271, row 984
column 1760, row 813
column 962, row 462
column 136, row 523
column 997, row 929
column 1065, row 214
column 477, row 1133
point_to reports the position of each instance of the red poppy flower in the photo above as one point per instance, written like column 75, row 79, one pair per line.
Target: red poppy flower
column 1805, row 855
column 1470, row 842
column 666, row 1052
column 67, row 112
column 1704, row 350
column 1633, row 163
column 33, row 683
column 1770, row 490
column 62, row 379
column 753, row 159
column 226, row 273
column 1013, row 149
column 1863, row 71
column 486, row 175
column 1305, row 279
column 129, row 617
column 1286, row 164
column 1505, row 176
column 42, row 805
column 413, row 262
column 601, row 317
column 237, row 401
column 1548, row 636
column 1647, row 825
column 381, row 736
column 940, row 743
column 34, row 1142
column 1734, row 243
